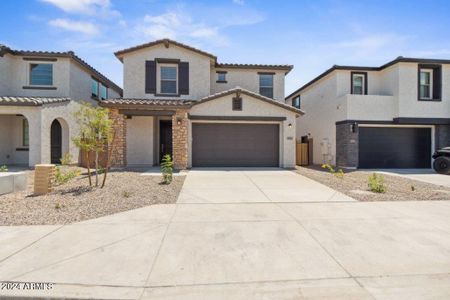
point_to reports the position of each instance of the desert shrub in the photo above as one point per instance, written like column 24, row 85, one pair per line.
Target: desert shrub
column 66, row 159
column 376, row 183
column 3, row 168
column 126, row 194
column 167, row 168
column 338, row 174
column 61, row 178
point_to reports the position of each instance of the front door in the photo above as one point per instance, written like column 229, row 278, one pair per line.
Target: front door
column 55, row 142
column 165, row 138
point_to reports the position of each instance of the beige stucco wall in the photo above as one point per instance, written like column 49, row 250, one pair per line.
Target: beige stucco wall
column 5, row 74
column 247, row 79
column 134, row 71
column 140, row 141
column 11, row 139
column 251, row 107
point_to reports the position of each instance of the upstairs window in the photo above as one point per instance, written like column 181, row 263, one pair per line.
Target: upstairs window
column 426, row 84
column 94, row 88
column 168, row 76
column 359, row 83
column 296, row 102
column 266, row 85
column 103, row 92
column 41, row 74
column 221, row 77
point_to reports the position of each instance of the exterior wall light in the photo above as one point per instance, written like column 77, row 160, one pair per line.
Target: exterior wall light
column 178, row 121
column 290, row 125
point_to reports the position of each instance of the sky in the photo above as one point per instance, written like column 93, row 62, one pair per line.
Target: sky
column 311, row 35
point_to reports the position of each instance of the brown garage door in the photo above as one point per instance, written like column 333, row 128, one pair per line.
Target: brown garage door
column 235, row 145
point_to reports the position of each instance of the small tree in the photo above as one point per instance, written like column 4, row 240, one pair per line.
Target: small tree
column 167, row 168
column 95, row 132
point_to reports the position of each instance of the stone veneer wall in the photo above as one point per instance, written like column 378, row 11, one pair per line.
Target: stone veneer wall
column 442, row 136
column 119, row 148
column 346, row 146
column 180, row 138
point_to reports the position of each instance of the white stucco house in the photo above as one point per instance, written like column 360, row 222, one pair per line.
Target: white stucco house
column 392, row 116
column 180, row 100
column 39, row 92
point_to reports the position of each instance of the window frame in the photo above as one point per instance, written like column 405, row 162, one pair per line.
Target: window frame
column 294, row 101
column 159, row 79
column 221, row 73
column 97, row 95
column 25, row 133
column 364, row 83
column 100, row 91
column 30, row 77
column 266, row 87
column 430, row 85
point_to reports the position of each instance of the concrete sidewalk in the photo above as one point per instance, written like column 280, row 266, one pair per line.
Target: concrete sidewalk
column 264, row 250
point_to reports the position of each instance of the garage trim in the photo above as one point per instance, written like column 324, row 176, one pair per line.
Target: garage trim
column 238, row 118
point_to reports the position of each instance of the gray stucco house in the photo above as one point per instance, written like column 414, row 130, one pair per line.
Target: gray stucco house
column 39, row 92
column 392, row 116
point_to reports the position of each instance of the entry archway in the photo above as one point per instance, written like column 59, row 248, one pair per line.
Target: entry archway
column 55, row 142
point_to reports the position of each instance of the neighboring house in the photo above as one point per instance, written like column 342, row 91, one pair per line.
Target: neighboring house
column 39, row 92
column 179, row 100
column 392, row 116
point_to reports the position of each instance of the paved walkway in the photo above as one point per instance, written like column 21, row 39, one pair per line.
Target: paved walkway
column 246, row 250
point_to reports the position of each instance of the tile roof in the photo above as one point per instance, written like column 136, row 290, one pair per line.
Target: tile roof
column 69, row 54
column 255, row 66
column 30, row 101
column 166, row 42
column 138, row 101
column 251, row 94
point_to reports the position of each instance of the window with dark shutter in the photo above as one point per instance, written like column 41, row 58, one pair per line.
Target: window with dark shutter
column 150, row 77
column 429, row 82
column 237, row 103
column 183, row 75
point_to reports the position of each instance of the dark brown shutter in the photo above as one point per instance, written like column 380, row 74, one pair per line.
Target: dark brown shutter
column 437, row 83
column 183, row 75
column 150, row 77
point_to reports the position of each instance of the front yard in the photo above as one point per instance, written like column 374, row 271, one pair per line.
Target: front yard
column 355, row 184
column 76, row 201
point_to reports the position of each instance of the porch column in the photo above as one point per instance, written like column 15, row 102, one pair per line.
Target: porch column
column 180, row 138
column 119, row 148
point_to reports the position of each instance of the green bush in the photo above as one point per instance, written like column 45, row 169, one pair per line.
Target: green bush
column 167, row 168
column 376, row 183
column 3, row 168
column 61, row 178
column 66, row 159
column 126, row 194
column 338, row 174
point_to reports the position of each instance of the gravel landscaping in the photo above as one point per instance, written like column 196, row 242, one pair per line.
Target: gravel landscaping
column 354, row 184
column 76, row 201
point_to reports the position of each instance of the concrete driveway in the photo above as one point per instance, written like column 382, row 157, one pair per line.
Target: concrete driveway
column 239, row 250
column 424, row 175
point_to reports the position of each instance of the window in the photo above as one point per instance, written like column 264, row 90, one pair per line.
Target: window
column 358, row 83
column 103, row 92
column 266, row 85
column 296, row 102
column 237, row 103
column 25, row 133
column 168, row 75
column 426, row 84
column 222, row 77
column 41, row 74
column 94, row 88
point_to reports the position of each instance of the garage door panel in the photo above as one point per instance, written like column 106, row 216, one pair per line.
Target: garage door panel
column 235, row 145
column 389, row 147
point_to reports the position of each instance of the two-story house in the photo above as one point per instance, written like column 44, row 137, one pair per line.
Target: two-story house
column 179, row 100
column 39, row 93
column 391, row 116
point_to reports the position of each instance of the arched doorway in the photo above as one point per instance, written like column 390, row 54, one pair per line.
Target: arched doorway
column 55, row 142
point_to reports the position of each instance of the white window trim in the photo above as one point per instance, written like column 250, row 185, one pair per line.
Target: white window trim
column 158, row 78
column 40, row 63
column 363, row 87
column 430, row 71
